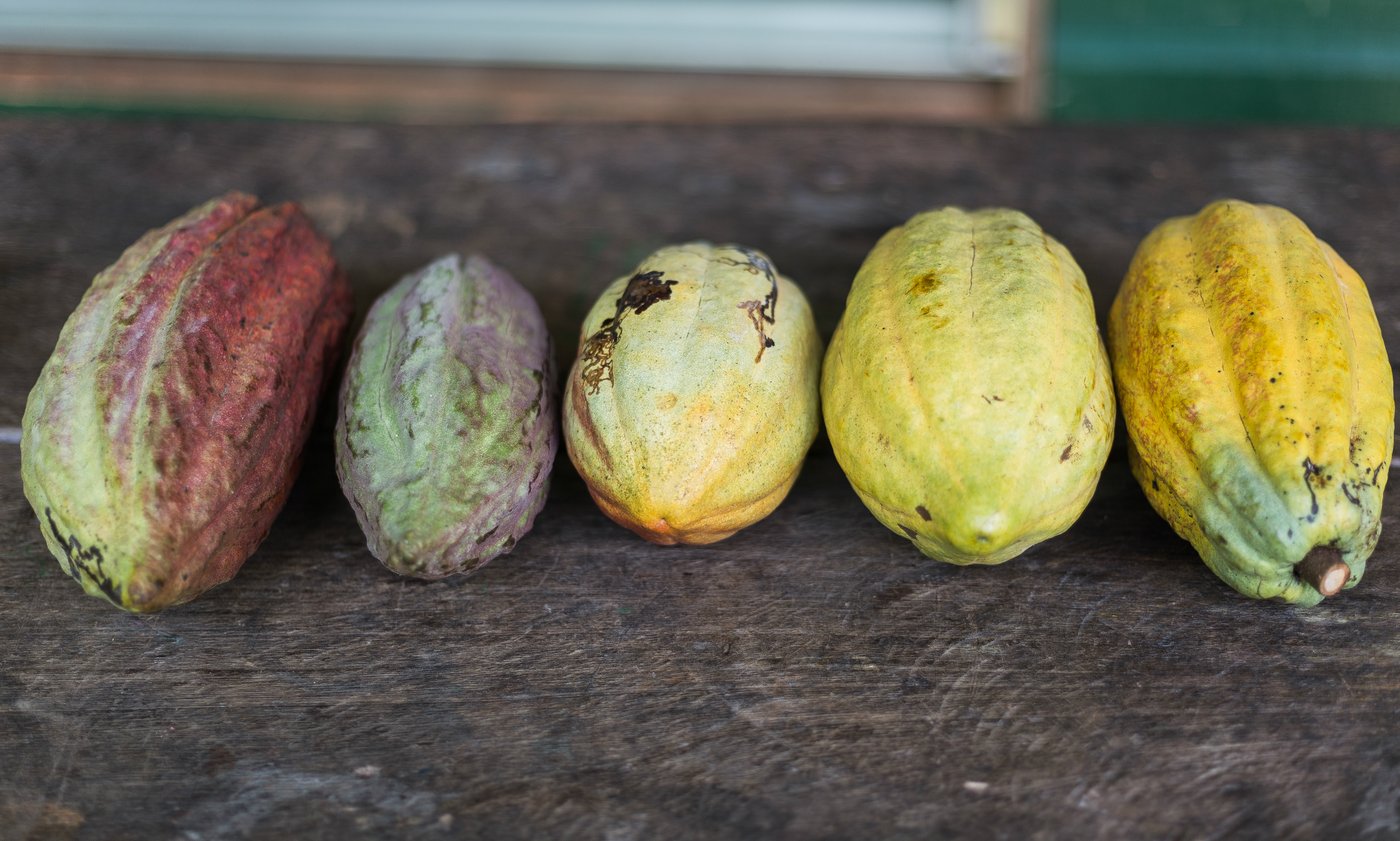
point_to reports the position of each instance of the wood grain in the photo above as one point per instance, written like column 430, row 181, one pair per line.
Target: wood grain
column 812, row 677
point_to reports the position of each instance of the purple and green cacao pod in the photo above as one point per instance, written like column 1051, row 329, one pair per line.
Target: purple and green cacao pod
column 166, row 429
column 447, row 432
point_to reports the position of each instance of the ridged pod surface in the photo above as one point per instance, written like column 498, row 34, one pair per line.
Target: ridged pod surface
column 966, row 390
column 166, row 429
column 693, row 400
column 447, row 431
column 1258, row 398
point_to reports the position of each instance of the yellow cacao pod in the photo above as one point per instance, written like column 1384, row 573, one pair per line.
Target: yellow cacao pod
column 966, row 390
column 1257, row 396
column 694, row 396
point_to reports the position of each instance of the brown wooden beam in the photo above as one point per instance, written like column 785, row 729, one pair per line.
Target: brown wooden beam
column 445, row 93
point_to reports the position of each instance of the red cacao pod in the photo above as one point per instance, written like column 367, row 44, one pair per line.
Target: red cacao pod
column 166, row 429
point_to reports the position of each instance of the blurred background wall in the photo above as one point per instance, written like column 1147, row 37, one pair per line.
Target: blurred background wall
column 709, row 60
column 1303, row 61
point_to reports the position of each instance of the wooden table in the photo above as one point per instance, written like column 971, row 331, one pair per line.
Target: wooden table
column 812, row 677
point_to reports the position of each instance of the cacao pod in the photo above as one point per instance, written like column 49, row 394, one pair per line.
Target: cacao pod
column 693, row 400
column 1258, row 398
column 166, row 429
column 966, row 390
column 447, row 432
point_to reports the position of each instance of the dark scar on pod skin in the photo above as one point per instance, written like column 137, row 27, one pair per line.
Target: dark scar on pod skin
column 761, row 312
column 84, row 561
column 1309, row 471
column 595, row 357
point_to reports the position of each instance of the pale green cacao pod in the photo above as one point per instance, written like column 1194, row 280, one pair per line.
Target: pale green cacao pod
column 693, row 400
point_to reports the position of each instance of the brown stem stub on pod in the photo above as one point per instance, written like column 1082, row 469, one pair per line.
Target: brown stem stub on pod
column 1324, row 570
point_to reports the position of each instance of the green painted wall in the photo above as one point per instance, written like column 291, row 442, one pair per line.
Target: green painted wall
column 1293, row 61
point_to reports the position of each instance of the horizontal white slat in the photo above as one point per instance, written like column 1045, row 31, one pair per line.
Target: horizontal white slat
column 916, row 37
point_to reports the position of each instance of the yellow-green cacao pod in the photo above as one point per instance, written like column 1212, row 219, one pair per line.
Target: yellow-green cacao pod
column 1257, row 396
column 966, row 391
column 693, row 399
column 447, row 431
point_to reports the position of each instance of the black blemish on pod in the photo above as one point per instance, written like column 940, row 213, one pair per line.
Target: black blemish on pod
column 1352, row 498
column 84, row 561
column 595, row 357
column 760, row 312
column 1309, row 471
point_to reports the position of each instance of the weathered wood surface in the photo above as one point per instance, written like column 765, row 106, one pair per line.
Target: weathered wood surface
column 813, row 677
